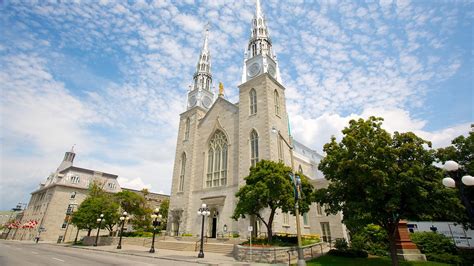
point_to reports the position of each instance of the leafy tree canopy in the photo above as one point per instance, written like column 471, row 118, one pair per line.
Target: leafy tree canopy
column 378, row 178
column 462, row 152
column 97, row 202
column 269, row 187
column 131, row 202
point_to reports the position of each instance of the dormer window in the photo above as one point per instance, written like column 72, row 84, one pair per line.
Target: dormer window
column 111, row 185
column 75, row 179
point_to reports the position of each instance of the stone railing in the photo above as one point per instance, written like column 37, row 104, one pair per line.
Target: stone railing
column 275, row 254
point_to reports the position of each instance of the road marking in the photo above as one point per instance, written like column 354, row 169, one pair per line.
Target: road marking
column 34, row 252
column 58, row 259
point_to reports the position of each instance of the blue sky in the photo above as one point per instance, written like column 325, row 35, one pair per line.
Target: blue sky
column 111, row 76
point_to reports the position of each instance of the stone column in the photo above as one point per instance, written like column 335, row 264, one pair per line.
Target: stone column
column 406, row 250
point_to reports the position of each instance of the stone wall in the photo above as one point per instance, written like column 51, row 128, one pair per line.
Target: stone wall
column 107, row 241
column 275, row 254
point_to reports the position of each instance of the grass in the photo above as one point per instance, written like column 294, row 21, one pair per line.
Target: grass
column 332, row 260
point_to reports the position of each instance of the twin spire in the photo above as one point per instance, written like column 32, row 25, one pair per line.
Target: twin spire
column 259, row 44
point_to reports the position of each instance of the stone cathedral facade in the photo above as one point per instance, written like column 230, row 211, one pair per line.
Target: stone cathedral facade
column 218, row 141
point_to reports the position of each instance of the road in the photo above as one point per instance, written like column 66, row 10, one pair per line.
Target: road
column 27, row 253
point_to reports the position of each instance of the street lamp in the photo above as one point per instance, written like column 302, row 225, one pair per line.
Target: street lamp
column 461, row 183
column 203, row 211
column 156, row 216
column 123, row 218
column 297, row 183
column 99, row 220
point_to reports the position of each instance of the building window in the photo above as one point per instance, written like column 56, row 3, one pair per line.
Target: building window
column 70, row 209
column 183, row 171
column 217, row 160
column 286, row 219
column 326, row 231
column 253, row 101
column 300, row 169
column 305, row 219
column 277, row 103
column 111, row 185
column 254, row 147
column 75, row 179
column 64, row 225
column 73, row 195
column 319, row 209
column 186, row 129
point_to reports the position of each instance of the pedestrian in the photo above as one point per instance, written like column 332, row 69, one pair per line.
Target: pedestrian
column 37, row 238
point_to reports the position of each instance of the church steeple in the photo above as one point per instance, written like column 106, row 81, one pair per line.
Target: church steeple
column 259, row 56
column 200, row 92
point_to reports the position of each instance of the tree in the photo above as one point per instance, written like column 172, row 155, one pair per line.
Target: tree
column 269, row 185
column 176, row 217
column 97, row 202
column 378, row 178
column 462, row 151
column 130, row 202
column 164, row 208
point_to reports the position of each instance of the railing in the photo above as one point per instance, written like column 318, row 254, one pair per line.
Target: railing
column 197, row 242
column 295, row 250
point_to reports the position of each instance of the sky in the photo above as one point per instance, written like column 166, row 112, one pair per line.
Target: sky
column 111, row 77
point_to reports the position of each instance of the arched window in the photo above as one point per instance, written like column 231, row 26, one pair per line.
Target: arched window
column 277, row 103
column 186, row 129
column 253, row 101
column 217, row 160
column 253, row 148
column 182, row 173
column 300, row 169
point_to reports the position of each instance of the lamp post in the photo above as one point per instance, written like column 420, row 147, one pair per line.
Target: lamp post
column 99, row 220
column 203, row 211
column 156, row 216
column 296, row 183
column 454, row 181
column 123, row 218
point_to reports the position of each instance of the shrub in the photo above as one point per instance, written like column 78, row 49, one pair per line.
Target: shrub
column 187, row 235
column 433, row 243
column 371, row 238
column 341, row 244
column 436, row 247
column 348, row 253
column 235, row 235
column 137, row 234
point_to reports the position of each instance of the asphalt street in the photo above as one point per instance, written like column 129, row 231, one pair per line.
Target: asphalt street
column 27, row 253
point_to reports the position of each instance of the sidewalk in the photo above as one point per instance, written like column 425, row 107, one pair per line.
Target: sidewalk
column 183, row 256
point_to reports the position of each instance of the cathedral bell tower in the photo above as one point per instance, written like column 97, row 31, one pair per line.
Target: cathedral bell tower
column 259, row 55
column 200, row 93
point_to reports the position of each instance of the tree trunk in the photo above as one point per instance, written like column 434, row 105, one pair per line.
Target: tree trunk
column 269, row 225
column 89, row 232
column 392, row 242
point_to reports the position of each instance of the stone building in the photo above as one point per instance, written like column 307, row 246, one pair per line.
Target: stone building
column 218, row 141
column 51, row 205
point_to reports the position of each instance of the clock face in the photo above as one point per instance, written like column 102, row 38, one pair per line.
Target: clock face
column 271, row 71
column 192, row 100
column 207, row 102
column 254, row 69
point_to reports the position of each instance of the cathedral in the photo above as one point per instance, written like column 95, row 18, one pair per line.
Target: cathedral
column 218, row 141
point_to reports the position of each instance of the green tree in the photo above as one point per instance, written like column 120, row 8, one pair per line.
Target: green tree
column 462, row 151
column 97, row 202
column 130, row 202
column 164, row 208
column 378, row 178
column 269, row 186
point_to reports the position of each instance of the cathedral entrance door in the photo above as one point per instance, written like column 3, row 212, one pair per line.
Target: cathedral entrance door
column 214, row 227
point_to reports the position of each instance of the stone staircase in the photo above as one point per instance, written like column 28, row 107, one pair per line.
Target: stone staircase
column 221, row 248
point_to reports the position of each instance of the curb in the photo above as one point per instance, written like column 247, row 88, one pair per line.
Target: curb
column 163, row 258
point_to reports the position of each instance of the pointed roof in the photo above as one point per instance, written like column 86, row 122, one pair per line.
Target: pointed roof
column 258, row 11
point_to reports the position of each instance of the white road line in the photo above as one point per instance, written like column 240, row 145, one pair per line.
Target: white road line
column 58, row 259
